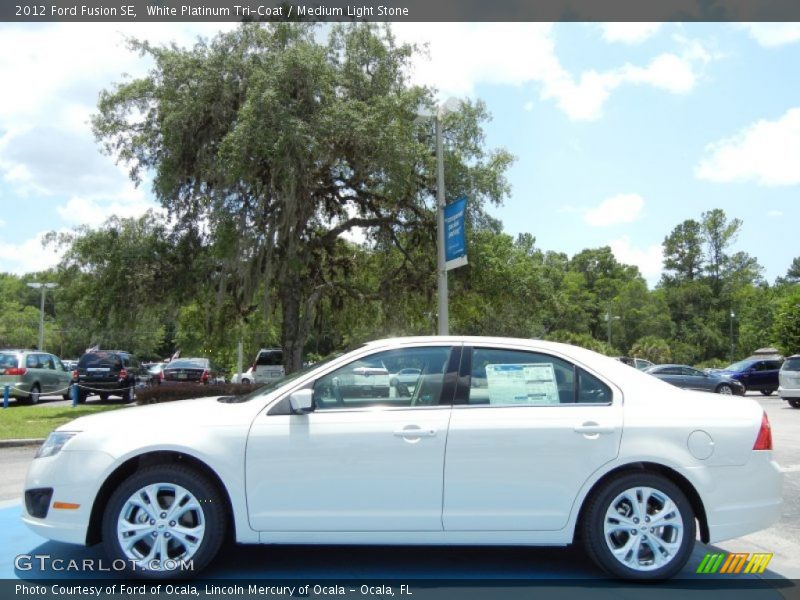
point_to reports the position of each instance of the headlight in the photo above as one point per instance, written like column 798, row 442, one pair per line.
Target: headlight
column 54, row 442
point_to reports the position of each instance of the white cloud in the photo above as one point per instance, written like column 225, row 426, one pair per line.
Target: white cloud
column 94, row 212
column 771, row 35
column 523, row 53
column 649, row 259
column 766, row 152
column 622, row 208
column 775, row 213
column 528, row 106
column 629, row 33
column 28, row 256
column 2, row 223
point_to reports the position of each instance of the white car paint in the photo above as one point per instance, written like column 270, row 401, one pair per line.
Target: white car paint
column 461, row 474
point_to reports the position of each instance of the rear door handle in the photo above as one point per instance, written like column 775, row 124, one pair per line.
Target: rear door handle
column 412, row 431
column 592, row 428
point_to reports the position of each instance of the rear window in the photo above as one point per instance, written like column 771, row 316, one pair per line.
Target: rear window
column 188, row 363
column 269, row 358
column 99, row 359
column 8, row 361
column 792, row 364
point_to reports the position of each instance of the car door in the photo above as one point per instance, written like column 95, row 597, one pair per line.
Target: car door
column 670, row 375
column 524, row 437
column 47, row 373
column 356, row 463
column 697, row 380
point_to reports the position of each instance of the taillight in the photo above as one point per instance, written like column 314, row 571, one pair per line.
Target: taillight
column 764, row 439
column 204, row 377
column 75, row 375
column 123, row 374
column 16, row 371
column 161, row 374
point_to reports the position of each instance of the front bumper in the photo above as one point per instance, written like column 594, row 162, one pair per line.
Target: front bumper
column 75, row 478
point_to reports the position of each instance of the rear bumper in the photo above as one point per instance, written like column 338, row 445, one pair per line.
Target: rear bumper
column 793, row 392
column 744, row 499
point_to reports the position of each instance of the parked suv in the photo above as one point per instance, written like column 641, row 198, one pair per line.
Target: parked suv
column 107, row 373
column 758, row 374
column 268, row 365
column 789, row 379
column 30, row 373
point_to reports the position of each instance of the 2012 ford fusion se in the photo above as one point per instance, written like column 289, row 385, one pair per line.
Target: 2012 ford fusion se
column 501, row 442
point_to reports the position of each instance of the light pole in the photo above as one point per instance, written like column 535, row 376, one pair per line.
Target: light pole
column 44, row 287
column 609, row 318
column 450, row 105
column 733, row 315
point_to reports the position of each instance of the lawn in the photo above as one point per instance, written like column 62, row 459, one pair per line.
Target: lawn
column 37, row 421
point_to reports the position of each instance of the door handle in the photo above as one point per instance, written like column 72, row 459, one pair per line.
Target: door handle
column 592, row 428
column 415, row 432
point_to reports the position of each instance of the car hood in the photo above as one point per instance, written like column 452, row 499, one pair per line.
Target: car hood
column 179, row 415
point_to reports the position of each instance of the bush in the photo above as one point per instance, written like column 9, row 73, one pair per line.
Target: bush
column 167, row 392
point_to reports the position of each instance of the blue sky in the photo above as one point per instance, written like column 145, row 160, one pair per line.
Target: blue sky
column 620, row 131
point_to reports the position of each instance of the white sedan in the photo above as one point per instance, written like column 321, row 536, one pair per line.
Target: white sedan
column 556, row 444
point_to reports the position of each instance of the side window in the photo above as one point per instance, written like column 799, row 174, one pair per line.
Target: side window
column 405, row 377
column 670, row 371
column 32, row 361
column 47, row 362
column 591, row 390
column 512, row 377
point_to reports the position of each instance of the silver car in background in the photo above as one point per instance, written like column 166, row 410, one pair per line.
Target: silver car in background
column 789, row 379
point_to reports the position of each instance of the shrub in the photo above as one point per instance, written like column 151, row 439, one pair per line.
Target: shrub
column 182, row 391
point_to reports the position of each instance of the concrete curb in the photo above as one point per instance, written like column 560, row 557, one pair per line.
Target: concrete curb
column 21, row 442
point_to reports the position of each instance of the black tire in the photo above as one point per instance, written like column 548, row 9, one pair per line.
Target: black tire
column 35, row 393
column 794, row 403
column 210, row 505
column 724, row 389
column 599, row 550
column 103, row 397
column 82, row 395
column 68, row 394
column 768, row 392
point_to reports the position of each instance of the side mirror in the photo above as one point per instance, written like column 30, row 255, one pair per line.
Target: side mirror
column 302, row 402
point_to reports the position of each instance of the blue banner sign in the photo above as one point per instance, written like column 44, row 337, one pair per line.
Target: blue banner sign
column 455, row 235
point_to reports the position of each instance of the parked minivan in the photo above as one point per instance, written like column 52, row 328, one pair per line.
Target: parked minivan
column 789, row 379
column 31, row 373
column 268, row 365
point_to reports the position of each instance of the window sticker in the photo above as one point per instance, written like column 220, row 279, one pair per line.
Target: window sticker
column 532, row 383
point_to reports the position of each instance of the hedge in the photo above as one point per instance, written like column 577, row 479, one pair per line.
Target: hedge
column 167, row 392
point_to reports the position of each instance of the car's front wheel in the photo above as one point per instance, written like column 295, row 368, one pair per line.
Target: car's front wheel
column 768, row 392
column 639, row 526
column 163, row 521
column 794, row 403
column 725, row 389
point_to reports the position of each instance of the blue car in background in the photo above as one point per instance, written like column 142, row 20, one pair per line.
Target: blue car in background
column 758, row 374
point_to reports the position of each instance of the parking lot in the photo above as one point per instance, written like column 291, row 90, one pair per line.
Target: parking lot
column 418, row 563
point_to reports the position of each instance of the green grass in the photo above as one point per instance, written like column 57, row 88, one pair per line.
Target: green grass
column 22, row 422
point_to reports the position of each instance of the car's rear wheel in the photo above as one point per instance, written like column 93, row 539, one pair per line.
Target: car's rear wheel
column 35, row 394
column 163, row 517
column 103, row 397
column 768, row 392
column 794, row 403
column 639, row 526
column 725, row 389
column 68, row 394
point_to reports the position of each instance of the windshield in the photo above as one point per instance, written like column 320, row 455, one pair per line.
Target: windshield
column 739, row 366
column 188, row 363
